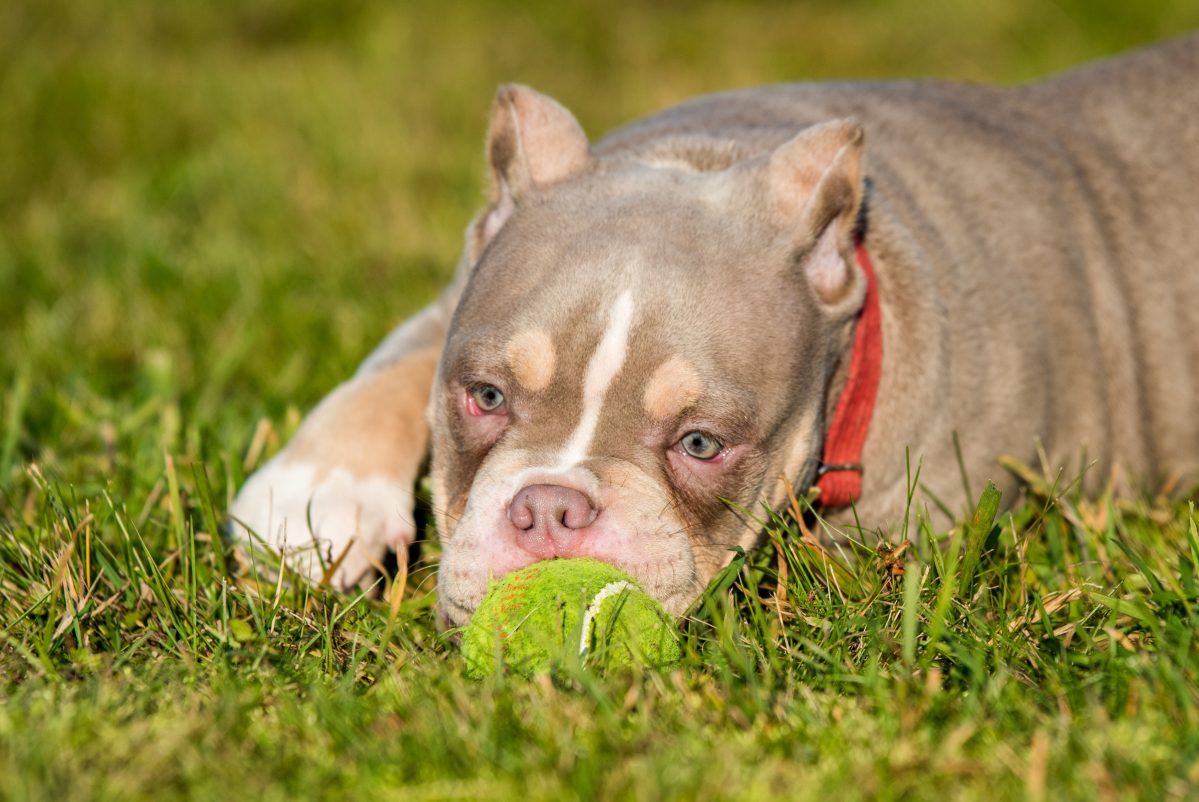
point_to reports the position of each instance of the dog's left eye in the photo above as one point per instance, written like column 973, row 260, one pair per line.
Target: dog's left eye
column 701, row 445
column 487, row 399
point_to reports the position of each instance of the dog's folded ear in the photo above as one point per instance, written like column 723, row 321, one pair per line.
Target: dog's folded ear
column 532, row 141
column 815, row 187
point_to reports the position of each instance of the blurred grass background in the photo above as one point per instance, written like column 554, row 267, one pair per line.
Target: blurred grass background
column 211, row 211
column 223, row 205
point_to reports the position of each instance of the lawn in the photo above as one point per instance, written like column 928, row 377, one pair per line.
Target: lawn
column 209, row 212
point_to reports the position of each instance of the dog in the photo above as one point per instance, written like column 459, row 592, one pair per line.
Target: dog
column 649, row 337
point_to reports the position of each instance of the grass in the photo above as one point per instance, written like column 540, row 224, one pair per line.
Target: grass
column 209, row 212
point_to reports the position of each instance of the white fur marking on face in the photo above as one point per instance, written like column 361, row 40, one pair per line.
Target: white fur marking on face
column 605, row 363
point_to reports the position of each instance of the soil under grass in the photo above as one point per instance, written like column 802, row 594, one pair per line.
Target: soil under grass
column 209, row 212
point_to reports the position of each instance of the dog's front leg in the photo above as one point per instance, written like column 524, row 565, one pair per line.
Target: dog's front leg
column 342, row 489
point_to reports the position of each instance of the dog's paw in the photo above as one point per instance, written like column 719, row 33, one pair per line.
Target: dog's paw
column 313, row 515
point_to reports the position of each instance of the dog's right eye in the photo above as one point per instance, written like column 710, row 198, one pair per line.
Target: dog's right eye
column 701, row 445
column 485, row 399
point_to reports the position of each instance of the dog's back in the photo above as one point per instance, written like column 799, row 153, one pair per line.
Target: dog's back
column 1132, row 126
column 1040, row 242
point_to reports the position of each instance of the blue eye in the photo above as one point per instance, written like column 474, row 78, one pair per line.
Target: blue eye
column 488, row 397
column 700, row 445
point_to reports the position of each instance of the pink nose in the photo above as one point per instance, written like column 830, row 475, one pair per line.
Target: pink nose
column 549, row 520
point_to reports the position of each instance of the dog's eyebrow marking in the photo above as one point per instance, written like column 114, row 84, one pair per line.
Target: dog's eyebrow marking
column 673, row 387
column 605, row 363
column 532, row 358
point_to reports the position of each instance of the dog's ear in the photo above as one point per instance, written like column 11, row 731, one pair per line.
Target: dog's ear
column 815, row 184
column 532, row 141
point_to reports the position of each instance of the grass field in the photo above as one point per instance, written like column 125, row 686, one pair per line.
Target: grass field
column 209, row 212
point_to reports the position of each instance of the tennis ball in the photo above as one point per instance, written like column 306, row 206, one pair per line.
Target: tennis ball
column 561, row 612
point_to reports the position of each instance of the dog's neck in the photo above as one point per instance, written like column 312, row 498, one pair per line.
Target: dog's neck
column 854, row 386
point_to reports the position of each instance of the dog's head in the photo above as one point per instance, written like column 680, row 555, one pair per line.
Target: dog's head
column 641, row 351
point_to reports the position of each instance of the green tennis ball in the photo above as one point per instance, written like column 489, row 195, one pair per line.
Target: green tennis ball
column 562, row 612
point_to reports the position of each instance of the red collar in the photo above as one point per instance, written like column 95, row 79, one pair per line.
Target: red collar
column 840, row 471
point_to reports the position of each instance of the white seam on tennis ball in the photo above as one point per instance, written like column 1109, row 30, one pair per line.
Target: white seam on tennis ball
column 608, row 590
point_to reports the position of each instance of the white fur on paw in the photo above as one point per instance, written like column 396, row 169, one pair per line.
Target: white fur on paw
column 279, row 501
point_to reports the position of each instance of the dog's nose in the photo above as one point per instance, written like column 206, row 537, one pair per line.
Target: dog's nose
column 548, row 519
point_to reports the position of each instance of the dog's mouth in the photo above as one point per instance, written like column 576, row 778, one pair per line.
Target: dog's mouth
column 452, row 614
column 636, row 532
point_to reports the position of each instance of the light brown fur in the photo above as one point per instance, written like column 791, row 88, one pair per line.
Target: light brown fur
column 532, row 359
column 672, row 388
column 373, row 424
